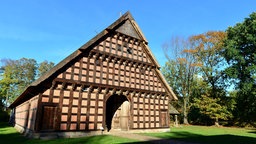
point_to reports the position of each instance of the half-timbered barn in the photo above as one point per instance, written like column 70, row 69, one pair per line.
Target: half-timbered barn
column 112, row 82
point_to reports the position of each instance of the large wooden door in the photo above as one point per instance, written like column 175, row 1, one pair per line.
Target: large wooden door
column 121, row 117
column 117, row 112
column 163, row 119
column 125, row 115
column 49, row 118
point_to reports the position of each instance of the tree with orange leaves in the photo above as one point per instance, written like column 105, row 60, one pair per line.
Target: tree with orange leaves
column 208, row 47
column 190, row 60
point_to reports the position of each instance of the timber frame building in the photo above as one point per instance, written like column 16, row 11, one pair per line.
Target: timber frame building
column 113, row 81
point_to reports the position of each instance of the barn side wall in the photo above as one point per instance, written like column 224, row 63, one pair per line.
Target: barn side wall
column 25, row 115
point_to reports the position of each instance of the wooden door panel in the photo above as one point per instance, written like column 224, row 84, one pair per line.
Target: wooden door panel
column 121, row 117
column 49, row 117
column 163, row 118
column 124, row 116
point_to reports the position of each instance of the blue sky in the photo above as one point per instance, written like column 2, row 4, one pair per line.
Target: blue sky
column 53, row 29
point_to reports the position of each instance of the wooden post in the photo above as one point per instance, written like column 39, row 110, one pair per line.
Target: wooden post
column 176, row 121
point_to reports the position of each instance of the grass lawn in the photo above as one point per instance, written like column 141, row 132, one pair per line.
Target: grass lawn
column 8, row 135
column 210, row 135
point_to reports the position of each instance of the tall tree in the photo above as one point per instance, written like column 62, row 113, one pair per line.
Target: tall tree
column 208, row 47
column 9, row 82
column 17, row 75
column 2, row 94
column 44, row 67
column 180, row 70
column 26, row 73
column 240, row 54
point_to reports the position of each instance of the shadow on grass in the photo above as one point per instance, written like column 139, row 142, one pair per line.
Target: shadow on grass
column 3, row 125
column 92, row 139
column 254, row 132
column 216, row 139
column 183, row 137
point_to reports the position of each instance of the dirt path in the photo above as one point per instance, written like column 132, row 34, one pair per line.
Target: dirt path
column 143, row 138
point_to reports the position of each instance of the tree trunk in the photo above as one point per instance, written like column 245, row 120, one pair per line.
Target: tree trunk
column 217, row 122
column 185, row 118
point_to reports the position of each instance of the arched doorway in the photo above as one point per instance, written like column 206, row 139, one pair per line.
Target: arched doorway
column 117, row 112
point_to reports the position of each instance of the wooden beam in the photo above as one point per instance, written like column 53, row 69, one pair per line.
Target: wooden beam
column 104, row 106
column 63, row 86
column 119, row 71
column 38, row 113
column 96, row 108
column 96, row 58
column 90, row 90
column 101, row 67
column 113, row 70
column 144, row 111
column 155, row 111
column 107, row 86
column 51, row 91
column 72, row 71
column 70, row 106
column 149, row 110
column 138, row 110
column 80, row 69
column 108, row 61
column 88, row 66
column 132, row 95
column 130, row 68
column 79, row 107
column 124, row 58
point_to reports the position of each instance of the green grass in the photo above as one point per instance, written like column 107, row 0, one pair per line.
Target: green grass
column 196, row 134
column 210, row 135
column 8, row 135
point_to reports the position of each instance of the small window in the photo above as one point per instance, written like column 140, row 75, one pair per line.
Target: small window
column 129, row 50
column 119, row 47
column 125, row 44
column 85, row 89
column 142, row 70
column 97, row 62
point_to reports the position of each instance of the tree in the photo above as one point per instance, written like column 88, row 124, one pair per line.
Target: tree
column 17, row 75
column 26, row 72
column 211, row 108
column 8, row 81
column 44, row 67
column 208, row 47
column 206, row 109
column 180, row 70
column 240, row 53
column 2, row 97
